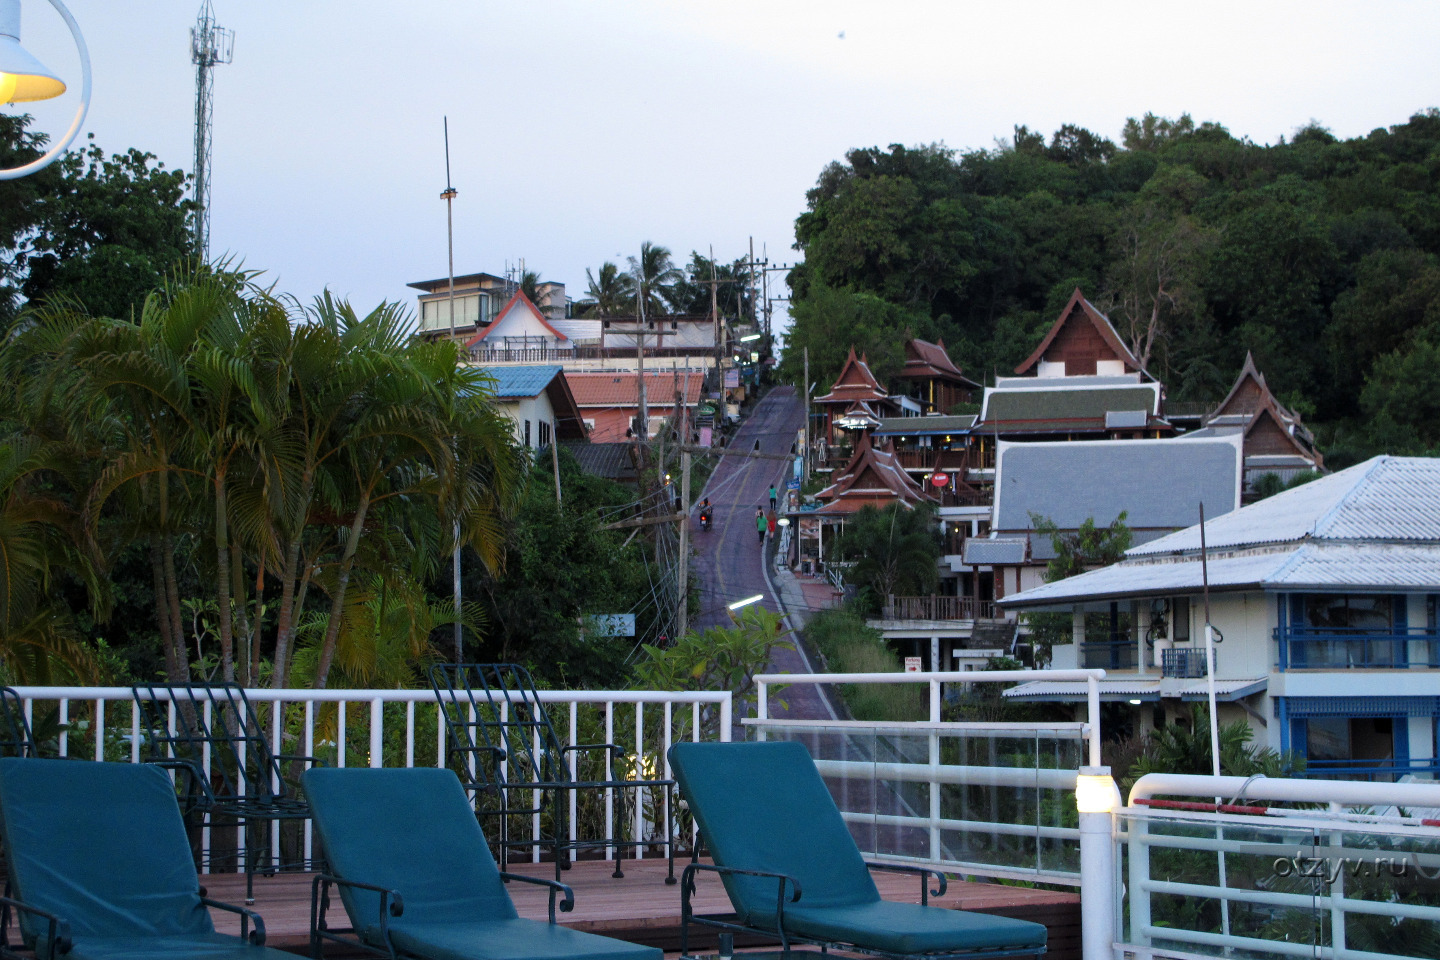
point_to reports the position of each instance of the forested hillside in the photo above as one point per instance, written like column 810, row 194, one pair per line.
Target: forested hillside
column 1319, row 255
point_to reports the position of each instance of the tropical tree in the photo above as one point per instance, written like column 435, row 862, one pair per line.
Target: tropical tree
column 611, row 292
column 655, row 276
column 892, row 551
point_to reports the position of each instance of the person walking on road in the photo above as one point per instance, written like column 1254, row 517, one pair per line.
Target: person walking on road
column 772, row 498
column 760, row 523
column 770, row 524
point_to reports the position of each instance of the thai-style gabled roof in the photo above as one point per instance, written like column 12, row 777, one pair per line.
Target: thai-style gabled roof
column 1250, row 401
column 1080, row 310
column 872, row 478
column 855, row 382
column 929, row 361
column 519, row 299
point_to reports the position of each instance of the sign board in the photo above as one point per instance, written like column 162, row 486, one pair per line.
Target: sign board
column 732, row 378
column 612, row 625
column 912, row 664
column 939, row 479
column 792, row 484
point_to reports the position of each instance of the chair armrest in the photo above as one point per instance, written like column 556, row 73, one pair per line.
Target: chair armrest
column 616, row 751
column 925, row 872
column 555, row 886
column 191, row 769
column 300, row 757
column 687, row 887
column 256, row 936
column 57, row 933
column 391, row 903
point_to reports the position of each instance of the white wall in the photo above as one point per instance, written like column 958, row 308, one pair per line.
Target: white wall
column 535, row 409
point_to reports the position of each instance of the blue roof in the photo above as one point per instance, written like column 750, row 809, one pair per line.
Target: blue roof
column 522, row 381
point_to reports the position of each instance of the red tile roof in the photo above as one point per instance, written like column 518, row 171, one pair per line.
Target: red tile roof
column 623, row 389
column 519, row 296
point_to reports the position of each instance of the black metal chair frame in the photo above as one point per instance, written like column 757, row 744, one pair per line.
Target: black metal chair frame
column 494, row 718
column 246, row 781
column 16, row 738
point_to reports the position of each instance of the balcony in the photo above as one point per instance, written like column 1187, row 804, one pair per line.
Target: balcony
column 1373, row 771
column 1340, row 648
column 927, row 459
column 1108, row 655
column 939, row 608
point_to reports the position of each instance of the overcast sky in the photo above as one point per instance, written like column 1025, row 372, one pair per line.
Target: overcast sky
column 579, row 129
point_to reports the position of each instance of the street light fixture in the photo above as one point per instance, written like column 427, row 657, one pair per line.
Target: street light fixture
column 749, row 337
column 24, row 78
column 746, row 602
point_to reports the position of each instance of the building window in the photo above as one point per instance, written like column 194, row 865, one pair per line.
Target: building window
column 435, row 314
column 544, row 433
column 527, row 433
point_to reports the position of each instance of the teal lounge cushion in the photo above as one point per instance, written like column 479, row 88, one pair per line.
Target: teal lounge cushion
column 411, row 830
column 213, row 946
column 513, row 940
column 763, row 806
column 911, row 928
column 102, row 845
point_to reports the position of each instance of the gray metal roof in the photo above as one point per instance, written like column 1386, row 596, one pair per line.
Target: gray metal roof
column 522, row 381
column 1156, row 482
column 1357, row 567
column 1003, row 551
column 923, row 426
column 1123, row 419
column 1136, row 689
column 1385, row 498
column 1064, row 402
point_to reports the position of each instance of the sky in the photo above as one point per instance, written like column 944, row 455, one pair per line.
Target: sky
column 578, row 129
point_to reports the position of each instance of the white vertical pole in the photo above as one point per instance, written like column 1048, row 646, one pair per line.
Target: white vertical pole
column 726, row 709
column 1092, row 706
column 639, row 825
column 377, row 732
column 1099, row 885
column 409, row 733
column 609, row 775
column 99, row 726
column 309, row 752
column 340, row 734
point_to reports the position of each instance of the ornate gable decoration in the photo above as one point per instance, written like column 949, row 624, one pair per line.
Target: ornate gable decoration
column 873, row 477
column 855, row 383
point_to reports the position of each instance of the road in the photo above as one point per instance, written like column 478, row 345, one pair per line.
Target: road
column 728, row 561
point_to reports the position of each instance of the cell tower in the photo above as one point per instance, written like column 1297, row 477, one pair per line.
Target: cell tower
column 209, row 44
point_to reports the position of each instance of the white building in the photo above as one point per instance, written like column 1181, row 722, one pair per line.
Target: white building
column 1325, row 597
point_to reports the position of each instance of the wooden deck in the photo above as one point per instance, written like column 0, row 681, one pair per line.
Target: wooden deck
column 641, row 907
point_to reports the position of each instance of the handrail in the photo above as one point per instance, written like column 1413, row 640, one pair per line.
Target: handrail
column 1347, row 793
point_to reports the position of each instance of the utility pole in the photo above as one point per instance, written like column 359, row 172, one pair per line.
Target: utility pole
column 555, row 457
column 643, row 431
column 449, row 197
column 683, row 600
column 715, row 317
column 805, row 433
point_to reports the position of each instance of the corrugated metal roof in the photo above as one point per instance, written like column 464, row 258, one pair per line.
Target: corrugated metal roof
column 1064, row 403
column 1155, row 482
column 1004, row 551
column 522, row 381
column 1307, row 566
column 923, row 426
column 1385, row 498
column 1135, row 689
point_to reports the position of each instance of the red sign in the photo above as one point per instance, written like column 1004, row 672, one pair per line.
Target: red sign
column 939, row 479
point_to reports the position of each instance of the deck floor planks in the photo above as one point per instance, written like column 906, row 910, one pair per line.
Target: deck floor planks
column 640, row 907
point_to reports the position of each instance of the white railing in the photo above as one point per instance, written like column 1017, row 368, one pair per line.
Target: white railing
column 990, row 799
column 1332, row 880
column 85, row 727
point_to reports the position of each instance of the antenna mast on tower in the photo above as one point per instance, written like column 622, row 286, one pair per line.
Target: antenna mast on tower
column 209, row 44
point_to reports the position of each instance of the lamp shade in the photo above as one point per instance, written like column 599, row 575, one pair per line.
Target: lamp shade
column 22, row 77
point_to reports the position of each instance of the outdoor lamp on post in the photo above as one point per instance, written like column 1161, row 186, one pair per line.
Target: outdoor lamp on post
column 1097, row 797
column 24, row 78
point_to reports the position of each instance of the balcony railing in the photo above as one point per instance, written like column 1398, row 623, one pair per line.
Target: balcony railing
column 927, row 459
column 1373, row 771
column 1338, row 648
column 1108, row 655
column 582, row 352
column 1184, row 663
column 939, row 608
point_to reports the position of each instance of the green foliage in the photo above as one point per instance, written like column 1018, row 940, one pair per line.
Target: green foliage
column 1089, row 546
column 719, row 658
column 559, row 568
column 873, row 326
column 1317, row 254
column 848, row 645
column 1185, row 748
column 892, row 551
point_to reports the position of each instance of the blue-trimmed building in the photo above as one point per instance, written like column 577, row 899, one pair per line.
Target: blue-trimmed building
column 1325, row 596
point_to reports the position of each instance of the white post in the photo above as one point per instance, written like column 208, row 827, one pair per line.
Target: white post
column 1096, row 797
column 1092, row 703
column 377, row 732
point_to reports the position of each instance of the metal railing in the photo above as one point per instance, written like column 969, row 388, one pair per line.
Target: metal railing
column 1256, row 875
column 391, row 728
column 1184, row 663
column 939, row 608
column 990, row 799
column 1302, row 648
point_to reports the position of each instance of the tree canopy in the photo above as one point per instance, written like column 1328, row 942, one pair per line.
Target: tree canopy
column 1316, row 254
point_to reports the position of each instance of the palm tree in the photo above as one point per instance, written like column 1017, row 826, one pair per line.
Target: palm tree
column 655, row 275
column 894, row 550
column 613, row 293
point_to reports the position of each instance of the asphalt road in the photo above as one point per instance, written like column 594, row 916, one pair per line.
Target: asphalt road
column 728, row 559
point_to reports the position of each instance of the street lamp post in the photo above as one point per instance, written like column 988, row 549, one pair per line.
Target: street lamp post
column 23, row 79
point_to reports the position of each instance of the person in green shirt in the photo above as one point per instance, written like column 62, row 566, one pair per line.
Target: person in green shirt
column 760, row 523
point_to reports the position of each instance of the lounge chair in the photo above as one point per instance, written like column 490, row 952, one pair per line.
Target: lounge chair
column 412, row 868
column 792, row 869
column 100, row 867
